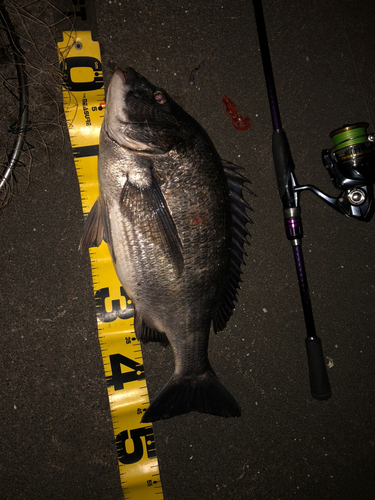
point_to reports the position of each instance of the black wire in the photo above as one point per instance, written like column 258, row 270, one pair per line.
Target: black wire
column 23, row 111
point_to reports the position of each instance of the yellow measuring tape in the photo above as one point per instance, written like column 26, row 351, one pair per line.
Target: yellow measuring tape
column 84, row 106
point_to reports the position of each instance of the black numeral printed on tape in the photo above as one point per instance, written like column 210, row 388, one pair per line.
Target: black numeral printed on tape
column 142, row 441
column 119, row 378
column 116, row 311
column 82, row 62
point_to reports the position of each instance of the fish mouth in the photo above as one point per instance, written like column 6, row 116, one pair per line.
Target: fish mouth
column 129, row 76
column 122, row 82
column 117, row 120
column 126, row 121
column 124, row 78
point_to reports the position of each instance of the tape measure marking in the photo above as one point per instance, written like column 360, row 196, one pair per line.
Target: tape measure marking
column 121, row 352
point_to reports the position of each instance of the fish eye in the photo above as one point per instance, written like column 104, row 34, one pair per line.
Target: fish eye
column 160, row 97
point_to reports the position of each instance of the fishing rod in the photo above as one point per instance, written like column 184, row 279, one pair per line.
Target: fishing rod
column 351, row 166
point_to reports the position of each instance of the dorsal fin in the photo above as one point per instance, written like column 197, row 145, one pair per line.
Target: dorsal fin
column 240, row 233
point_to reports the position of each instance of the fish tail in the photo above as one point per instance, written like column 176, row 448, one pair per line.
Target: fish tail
column 183, row 394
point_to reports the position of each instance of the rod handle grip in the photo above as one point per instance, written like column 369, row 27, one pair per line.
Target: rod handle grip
column 319, row 382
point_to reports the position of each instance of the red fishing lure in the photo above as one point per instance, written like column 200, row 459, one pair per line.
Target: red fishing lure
column 238, row 122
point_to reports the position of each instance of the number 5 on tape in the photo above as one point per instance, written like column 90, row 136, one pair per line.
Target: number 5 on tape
column 84, row 104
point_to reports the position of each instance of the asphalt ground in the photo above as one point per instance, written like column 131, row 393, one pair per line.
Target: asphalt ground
column 56, row 432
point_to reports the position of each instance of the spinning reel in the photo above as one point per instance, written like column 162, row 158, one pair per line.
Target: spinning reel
column 351, row 166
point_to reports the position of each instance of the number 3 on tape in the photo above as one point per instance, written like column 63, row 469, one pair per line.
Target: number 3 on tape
column 84, row 104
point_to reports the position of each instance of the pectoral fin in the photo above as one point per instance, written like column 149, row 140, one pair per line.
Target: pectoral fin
column 153, row 206
column 93, row 230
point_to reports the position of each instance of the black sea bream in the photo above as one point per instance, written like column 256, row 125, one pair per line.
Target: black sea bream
column 174, row 219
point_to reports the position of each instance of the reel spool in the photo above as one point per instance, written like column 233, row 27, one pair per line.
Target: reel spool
column 353, row 155
column 351, row 167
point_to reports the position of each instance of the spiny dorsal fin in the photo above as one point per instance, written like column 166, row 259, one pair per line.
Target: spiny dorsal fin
column 240, row 233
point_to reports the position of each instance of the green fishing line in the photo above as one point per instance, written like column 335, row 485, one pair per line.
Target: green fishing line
column 349, row 135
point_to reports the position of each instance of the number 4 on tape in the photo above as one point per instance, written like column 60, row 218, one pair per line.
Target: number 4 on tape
column 84, row 104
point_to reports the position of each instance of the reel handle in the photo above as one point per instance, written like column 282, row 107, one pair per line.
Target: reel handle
column 319, row 382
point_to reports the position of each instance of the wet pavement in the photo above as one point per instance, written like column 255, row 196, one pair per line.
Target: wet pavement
column 56, row 431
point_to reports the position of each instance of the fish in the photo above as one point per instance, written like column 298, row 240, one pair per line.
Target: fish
column 175, row 219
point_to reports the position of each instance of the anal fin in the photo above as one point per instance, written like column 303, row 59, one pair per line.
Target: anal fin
column 146, row 334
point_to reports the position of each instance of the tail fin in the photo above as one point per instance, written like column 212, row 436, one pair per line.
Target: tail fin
column 203, row 393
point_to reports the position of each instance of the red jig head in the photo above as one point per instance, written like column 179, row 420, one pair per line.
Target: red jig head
column 238, row 122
